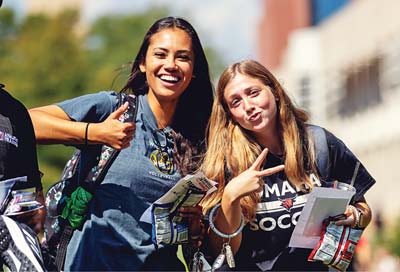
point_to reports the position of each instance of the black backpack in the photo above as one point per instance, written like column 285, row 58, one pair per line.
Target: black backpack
column 68, row 199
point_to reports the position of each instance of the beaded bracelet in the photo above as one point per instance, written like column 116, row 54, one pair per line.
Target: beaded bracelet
column 219, row 233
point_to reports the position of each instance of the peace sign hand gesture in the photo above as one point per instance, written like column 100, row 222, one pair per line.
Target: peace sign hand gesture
column 251, row 180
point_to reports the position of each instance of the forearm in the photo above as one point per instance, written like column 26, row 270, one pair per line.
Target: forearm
column 53, row 126
column 227, row 220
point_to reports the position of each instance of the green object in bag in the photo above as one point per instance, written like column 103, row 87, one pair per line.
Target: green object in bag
column 76, row 207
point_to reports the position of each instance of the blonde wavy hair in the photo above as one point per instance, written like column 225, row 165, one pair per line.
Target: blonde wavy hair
column 232, row 149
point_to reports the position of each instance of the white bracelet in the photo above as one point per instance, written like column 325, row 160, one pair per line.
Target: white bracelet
column 219, row 233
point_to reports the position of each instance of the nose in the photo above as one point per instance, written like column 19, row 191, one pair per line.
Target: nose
column 170, row 63
column 248, row 106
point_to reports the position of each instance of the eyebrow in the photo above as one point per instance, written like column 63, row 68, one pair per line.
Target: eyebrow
column 179, row 51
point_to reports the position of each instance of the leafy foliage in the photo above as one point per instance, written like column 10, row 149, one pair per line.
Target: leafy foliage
column 46, row 59
column 392, row 240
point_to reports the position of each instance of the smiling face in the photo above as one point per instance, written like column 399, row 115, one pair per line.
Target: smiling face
column 168, row 65
column 251, row 104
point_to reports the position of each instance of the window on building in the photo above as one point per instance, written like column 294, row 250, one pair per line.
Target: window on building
column 362, row 89
column 304, row 100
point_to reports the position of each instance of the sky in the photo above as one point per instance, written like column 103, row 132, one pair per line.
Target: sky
column 230, row 26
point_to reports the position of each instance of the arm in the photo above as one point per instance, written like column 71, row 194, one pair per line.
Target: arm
column 344, row 164
column 366, row 213
column 358, row 216
column 53, row 126
column 228, row 217
column 227, row 220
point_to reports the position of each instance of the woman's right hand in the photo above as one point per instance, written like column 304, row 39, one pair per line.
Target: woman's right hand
column 53, row 126
column 113, row 132
column 250, row 180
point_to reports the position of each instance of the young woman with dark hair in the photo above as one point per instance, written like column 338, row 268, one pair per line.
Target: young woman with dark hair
column 170, row 78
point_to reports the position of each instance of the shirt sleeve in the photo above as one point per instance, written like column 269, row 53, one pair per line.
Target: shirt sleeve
column 342, row 166
column 92, row 108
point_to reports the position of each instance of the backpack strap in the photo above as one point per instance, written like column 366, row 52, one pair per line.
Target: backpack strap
column 108, row 154
column 73, row 212
column 321, row 149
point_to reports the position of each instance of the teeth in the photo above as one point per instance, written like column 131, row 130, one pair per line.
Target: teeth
column 169, row 78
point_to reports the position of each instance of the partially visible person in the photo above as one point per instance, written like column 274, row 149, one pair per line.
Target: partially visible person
column 19, row 246
column 254, row 130
column 170, row 78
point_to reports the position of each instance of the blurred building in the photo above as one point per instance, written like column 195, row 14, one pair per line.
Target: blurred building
column 340, row 60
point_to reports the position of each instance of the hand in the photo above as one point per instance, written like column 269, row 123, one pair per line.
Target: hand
column 251, row 180
column 351, row 217
column 196, row 226
column 34, row 219
column 113, row 132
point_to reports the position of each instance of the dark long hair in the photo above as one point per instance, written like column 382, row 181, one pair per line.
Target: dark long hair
column 194, row 106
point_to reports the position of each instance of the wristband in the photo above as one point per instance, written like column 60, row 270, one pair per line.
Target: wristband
column 86, row 133
column 219, row 233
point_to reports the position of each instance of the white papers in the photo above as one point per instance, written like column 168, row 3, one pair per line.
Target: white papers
column 6, row 185
column 169, row 226
column 163, row 213
column 197, row 180
column 322, row 202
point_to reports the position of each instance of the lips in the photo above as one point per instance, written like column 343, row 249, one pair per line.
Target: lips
column 254, row 117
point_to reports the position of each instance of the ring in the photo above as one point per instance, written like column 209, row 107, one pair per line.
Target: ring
column 195, row 237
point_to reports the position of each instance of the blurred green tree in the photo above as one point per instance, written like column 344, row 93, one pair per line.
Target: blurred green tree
column 392, row 238
column 46, row 59
column 112, row 43
column 43, row 62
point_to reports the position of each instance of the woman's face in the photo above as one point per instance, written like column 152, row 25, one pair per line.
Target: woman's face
column 251, row 104
column 169, row 64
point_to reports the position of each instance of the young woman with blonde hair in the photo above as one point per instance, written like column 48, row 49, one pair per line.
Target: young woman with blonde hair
column 255, row 132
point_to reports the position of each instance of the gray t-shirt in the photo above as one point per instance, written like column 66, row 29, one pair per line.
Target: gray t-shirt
column 113, row 238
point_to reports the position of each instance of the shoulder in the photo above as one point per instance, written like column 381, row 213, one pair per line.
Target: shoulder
column 90, row 107
column 324, row 134
column 103, row 97
column 13, row 109
column 10, row 102
column 343, row 164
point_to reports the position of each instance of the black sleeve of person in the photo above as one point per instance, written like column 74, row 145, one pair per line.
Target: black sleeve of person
column 25, row 162
column 343, row 163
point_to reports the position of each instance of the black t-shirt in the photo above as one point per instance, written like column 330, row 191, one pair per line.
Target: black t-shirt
column 266, row 238
column 18, row 156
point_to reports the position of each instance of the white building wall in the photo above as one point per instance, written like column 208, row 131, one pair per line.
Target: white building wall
column 350, row 39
